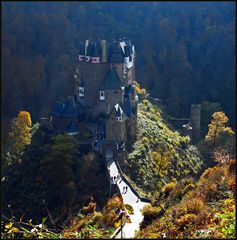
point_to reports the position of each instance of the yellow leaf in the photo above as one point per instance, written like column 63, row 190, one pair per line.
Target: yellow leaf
column 128, row 219
column 8, row 225
column 13, row 230
column 129, row 208
column 117, row 224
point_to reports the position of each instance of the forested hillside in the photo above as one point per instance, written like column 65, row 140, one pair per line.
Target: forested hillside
column 185, row 52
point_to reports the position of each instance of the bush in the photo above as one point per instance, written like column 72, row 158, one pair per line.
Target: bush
column 168, row 188
column 186, row 219
column 145, row 102
column 150, row 213
column 195, row 205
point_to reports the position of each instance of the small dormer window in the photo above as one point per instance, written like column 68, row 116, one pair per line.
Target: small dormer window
column 119, row 119
column 81, row 91
column 102, row 95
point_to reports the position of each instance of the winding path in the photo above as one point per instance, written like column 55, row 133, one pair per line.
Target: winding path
column 129, row 229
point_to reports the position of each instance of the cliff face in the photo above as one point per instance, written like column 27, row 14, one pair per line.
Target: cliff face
column 160, row 154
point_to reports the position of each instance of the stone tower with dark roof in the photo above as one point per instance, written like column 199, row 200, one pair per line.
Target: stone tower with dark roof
column 105, row 94
column 105, row 79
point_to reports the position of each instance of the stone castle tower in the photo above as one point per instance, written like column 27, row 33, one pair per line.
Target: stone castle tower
column 105, row 94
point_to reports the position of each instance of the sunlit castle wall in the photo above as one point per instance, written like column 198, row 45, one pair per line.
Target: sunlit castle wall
column 96, row 60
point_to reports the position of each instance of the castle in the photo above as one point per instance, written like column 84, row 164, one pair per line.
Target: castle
column 105, row 100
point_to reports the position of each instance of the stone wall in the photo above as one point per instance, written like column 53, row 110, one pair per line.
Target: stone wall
column 115, row 130
column 93, row 75
column 112, row 97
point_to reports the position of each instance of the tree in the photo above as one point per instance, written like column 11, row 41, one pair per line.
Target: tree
column 59, row 158
column 217, row 128
column 21, row 131
column 208, row 108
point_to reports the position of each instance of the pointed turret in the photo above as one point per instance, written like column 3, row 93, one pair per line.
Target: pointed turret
column 116, row 53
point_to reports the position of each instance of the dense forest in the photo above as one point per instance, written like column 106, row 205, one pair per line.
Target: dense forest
column 58, row 184
column 185, row 52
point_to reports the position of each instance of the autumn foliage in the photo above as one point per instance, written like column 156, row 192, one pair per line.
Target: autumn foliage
column 217, row 128
column 207, row 210
column 21, row 131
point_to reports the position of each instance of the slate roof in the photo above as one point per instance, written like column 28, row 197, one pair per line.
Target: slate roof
column 129, row 90
column 96, row 50
column 81, row 83
column 57, row 109
column 126, row 51
column 72, row 128
column 69, row 108
column 111, row 81
column 128, row 107
column 118, row 110
column 115, row 53
column 90, row 49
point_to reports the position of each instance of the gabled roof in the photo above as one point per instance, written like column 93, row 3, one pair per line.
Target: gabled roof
column 111, row 81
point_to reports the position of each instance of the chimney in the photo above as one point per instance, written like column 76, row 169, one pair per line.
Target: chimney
column 103, row 52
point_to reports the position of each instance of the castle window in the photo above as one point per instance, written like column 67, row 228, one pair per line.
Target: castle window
column 81, row 91
column 119, row 119
column 102, row 95
column 115, row 91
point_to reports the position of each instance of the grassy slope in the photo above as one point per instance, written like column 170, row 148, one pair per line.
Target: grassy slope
column 205, row 211
column 160, row 154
